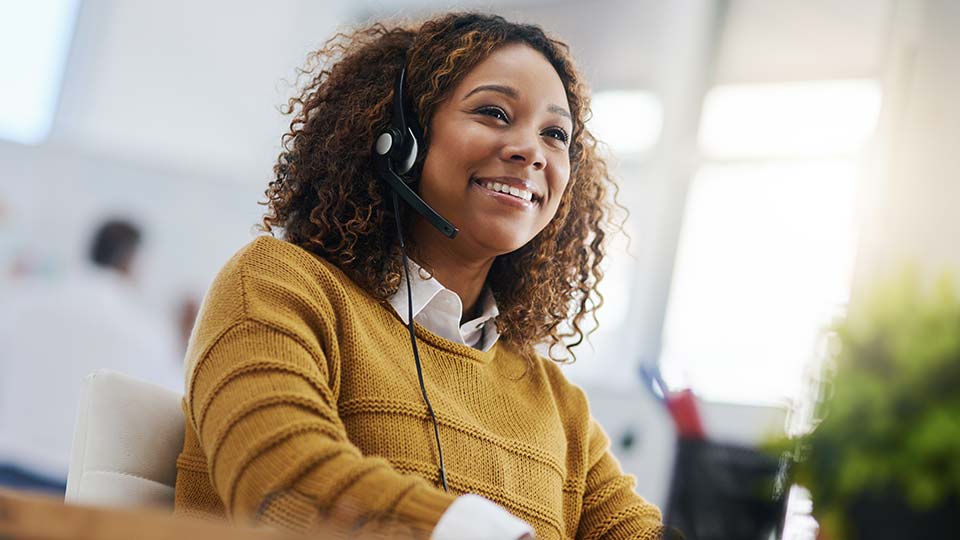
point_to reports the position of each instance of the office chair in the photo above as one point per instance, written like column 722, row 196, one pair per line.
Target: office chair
column 125, row 443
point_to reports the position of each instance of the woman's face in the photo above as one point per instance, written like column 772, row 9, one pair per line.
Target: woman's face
column 507, row 123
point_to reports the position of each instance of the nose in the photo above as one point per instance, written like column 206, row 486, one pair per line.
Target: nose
column 525, row 149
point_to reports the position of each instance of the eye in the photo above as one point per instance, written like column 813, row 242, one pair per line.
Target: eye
column 495, row 112
column 557, row 133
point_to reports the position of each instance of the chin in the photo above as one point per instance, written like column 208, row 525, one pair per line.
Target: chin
column 504, row 246
column 499, row 235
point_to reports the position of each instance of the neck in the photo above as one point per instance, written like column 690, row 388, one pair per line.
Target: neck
column 464, row 275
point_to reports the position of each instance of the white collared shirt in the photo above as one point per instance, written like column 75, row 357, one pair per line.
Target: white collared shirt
column 438, row 309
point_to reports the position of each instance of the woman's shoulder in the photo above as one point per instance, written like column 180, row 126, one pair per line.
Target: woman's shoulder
column 269, row 275
column 563, row 390
column 283, row 263
column 266, row 254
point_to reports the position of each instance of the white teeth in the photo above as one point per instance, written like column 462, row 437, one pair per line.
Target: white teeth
column 503, row 188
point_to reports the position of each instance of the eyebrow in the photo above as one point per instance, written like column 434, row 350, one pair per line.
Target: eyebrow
column 512, row 93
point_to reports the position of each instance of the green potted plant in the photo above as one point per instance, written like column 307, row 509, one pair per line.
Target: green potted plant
column 884, row 460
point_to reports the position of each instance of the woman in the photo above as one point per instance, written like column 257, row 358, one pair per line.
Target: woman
column 306, row 406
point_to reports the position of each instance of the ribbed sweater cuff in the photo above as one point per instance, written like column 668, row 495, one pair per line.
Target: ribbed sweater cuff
column 425, row 506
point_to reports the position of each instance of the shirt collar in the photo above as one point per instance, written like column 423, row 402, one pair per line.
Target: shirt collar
column 481, row 332
column 422, row 291
column 427, row 291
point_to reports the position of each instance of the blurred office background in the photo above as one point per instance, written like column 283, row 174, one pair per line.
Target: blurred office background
column 777, row 157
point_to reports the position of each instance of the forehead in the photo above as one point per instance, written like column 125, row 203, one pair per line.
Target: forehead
column 521, row 67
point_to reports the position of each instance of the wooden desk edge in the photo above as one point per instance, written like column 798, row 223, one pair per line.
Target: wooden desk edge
column 26, row 516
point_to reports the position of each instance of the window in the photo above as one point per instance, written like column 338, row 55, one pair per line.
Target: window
column 767, row 243
column 34, row 41
column 628, row 121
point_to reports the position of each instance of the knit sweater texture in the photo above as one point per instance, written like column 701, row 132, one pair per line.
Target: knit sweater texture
column 303, row 411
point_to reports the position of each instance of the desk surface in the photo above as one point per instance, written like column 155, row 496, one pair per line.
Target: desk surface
column 31, row 517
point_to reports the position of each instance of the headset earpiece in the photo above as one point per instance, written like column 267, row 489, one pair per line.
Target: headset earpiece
column 402, row 153
column 395, row 153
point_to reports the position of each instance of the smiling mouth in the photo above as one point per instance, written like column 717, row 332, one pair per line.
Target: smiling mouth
column 502, row 188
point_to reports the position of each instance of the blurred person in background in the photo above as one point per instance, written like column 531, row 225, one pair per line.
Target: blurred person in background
column 55, row 333
column 187, row 310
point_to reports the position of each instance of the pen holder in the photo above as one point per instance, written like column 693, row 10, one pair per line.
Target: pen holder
column 725, row 492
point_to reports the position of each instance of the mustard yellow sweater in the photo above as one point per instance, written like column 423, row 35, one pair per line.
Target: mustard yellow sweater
column 303, row 411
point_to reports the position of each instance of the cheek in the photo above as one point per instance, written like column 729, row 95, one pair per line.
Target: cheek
column 549, row 213
column 448, row 153
column 560, row 184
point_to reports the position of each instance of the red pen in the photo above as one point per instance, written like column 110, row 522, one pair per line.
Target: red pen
column 683, row 408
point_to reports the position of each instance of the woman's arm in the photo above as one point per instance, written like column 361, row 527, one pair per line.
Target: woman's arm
column 277, row 452
column 611, row 507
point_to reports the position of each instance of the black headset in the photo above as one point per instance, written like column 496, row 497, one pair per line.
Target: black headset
column 394, row 153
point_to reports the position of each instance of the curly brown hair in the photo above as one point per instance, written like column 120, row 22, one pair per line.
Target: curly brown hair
column 327, row 198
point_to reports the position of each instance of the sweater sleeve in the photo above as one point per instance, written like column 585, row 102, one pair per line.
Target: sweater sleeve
column 262, row 406
column 612, row 510
column 261, row 397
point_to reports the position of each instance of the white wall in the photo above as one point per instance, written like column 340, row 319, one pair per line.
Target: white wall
column 912, row 192
column 185, row 86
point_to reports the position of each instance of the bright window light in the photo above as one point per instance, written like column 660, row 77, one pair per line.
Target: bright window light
column 34, row 41
column 628, row 121
column 764, row 261
column 789, row 119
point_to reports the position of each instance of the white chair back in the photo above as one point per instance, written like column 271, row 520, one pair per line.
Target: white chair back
column 125, row 443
